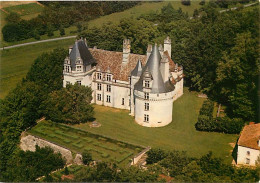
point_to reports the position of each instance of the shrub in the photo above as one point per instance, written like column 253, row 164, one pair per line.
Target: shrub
column 86, row 157
column 66, row 171
column 155, row 155
column 206, row 122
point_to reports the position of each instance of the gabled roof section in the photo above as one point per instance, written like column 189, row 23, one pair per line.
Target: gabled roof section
column 113, row 60
column 153, row 66
column 80, row 50
column 138, row 69
column 249, row 136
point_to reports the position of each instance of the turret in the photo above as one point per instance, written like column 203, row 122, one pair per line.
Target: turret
column 167, row 46
column 126, row 50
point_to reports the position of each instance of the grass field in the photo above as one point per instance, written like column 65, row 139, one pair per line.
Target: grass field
column 101, row 148
column 179, row 135
column 15, row 63
column 27, row 10
column 144, row 8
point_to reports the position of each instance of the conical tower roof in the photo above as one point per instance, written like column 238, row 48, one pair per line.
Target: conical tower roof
column 153, row 66
column 137, row 70
column 80, row 50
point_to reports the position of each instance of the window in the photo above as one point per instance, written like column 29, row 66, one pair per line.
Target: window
column 99, row 97
column 108, row 99
column 78, row 68
column 99, row 86
column 79, row 82
column 146, row 84
column 248, row 153
column 123, row 101
column 146, row 118
column 108, row 77
column 146, row 96
column 67, row 68
column 247, row 161
column 99, row 76
column 146, row 106
column 108, row 88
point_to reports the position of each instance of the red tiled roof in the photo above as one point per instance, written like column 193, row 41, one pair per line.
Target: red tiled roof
column 249, row 136
column 171, row 62
column 113, row 60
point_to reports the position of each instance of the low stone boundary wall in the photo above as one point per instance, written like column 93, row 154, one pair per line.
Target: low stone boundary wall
column 28, row 143
column 139, row 156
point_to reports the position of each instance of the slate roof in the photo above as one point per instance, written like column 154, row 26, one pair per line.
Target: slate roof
column 249, row 136
column 111, row 60
column 137, row 70
column 153, row 67
column 80, row 50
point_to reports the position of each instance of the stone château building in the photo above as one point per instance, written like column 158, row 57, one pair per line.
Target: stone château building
column 146, row 85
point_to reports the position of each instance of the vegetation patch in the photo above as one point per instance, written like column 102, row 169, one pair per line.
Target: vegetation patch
column 25, row 9
column 100, row 147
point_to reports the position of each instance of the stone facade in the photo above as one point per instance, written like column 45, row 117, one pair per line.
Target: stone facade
column 113, row 77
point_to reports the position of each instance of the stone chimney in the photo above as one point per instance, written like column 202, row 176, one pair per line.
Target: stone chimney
column 149, row 51
column 161, row 49
column 126, row 50
column 168, row 46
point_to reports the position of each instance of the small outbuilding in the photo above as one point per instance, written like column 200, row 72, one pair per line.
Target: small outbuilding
column 249, row 145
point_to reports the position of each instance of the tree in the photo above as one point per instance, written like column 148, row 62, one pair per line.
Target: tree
column 185, row 2
column 155, row 155
column 69, row 105
column 237, row 73
column 66, row 171
column 86, row 157
column 62, row 31
column 79, row 27
column 27, row 166
column 202, row 2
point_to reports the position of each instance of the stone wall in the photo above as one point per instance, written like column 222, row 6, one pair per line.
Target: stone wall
column 139, row 156
column 29, row 142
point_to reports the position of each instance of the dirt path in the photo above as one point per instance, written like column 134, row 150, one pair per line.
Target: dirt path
column 36, row 42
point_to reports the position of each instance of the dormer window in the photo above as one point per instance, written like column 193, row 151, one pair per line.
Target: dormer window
column 99, row 76
column 78, row 68
column 146, row 84
column 108, row 77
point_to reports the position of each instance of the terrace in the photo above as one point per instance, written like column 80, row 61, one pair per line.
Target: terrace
column 101, row 148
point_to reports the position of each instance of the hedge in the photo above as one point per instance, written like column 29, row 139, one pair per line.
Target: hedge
column 206, row 122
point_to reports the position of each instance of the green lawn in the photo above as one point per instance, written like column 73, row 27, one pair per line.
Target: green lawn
column 100, row 147
column 144, row 8
column 179, row 135
column 25, row 9
column 15, row 62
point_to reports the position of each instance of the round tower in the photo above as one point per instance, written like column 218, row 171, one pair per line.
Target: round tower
column 153, row 96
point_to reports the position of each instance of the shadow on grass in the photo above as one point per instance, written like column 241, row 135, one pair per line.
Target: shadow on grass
column 234, row 152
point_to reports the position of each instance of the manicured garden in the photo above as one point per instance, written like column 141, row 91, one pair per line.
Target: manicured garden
column 179, row 135
column 101, row 148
